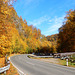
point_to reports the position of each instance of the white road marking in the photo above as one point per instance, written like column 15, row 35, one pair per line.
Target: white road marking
column 18, row 69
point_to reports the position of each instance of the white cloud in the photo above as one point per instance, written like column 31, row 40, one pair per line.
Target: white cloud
column 31, row 2
column 55, row 24
column 52, row 23
column 39, row 21
column 50, row 20
column 28, row 1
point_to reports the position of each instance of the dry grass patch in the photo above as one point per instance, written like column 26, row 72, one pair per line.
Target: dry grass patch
column 12, row 70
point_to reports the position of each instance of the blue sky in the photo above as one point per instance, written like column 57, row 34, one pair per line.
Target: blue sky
column 47, row 15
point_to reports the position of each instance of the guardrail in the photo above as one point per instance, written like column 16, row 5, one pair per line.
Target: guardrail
column 4, row 69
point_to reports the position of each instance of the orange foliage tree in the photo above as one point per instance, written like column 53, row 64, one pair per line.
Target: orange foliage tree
column 66, row 37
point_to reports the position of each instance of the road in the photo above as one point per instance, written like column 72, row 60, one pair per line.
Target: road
column 36, row 67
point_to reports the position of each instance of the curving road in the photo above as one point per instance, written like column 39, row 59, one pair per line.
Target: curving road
column 36, row 67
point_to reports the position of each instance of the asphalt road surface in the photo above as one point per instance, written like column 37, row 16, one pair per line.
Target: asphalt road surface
column 36, row 67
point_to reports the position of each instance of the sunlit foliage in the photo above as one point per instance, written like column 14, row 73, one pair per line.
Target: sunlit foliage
column 16, row 36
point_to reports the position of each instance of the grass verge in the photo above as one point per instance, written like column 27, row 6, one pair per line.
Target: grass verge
column 60, row 62
column 38, row 57
column 63, row 62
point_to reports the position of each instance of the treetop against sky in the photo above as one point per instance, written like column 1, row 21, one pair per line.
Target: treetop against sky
column 47, row 15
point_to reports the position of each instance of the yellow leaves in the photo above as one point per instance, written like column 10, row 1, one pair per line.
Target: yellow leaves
column 16, row 35
column 4, row 44
column 3, row 37
column 4, row 9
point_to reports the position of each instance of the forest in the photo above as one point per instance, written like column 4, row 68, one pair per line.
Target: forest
column 18, row 37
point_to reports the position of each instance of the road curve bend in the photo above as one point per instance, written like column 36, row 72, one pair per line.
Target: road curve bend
column 36, row 67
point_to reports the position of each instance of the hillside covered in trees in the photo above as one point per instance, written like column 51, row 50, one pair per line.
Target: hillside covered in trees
column 53, row 39
column 18, row 37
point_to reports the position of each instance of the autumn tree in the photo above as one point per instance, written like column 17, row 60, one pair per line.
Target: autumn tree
column 5, row 27
column 66, row 37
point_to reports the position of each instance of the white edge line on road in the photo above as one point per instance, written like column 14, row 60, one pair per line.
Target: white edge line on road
column 17, row 68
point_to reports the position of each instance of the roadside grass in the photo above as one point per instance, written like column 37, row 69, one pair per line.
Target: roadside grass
column 12, row 70
column 60, row 62
column 39, row 57
column 63, row 62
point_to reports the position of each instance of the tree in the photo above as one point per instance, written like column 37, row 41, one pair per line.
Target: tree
column 66, row 35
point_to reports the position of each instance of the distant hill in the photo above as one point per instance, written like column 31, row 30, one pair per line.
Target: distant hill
column 52, row 38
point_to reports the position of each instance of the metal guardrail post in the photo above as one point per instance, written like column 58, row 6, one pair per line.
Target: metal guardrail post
column 5, row 73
